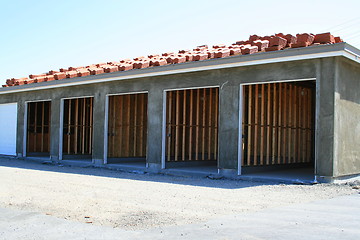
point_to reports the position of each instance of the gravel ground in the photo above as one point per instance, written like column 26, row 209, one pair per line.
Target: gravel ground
column 141, row 201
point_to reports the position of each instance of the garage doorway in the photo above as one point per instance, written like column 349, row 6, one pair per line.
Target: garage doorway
column 192, row 128
column 77, row 128
column 38, row 129
column 8, row 128
column 127, row 129
column 278, row 125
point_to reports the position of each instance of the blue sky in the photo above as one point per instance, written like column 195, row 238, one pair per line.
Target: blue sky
column 38, row 36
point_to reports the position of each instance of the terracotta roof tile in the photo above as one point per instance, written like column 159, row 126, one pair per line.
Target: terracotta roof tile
column 252, row 45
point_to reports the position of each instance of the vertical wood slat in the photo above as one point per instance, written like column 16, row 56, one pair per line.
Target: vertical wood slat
column 216, row 122
column 268, row 123
column 69, row 127
column 284, row 136
column 184, row 127
column 289, row 125
column 76, row 125
column 177, row 121
column 250, row 110
column 35, row 127
column 169, row 137
column 83, row 126
column 295, row 124
column 210, row 122
column 256, row 125
column 135, row 126
column 42, row 125
column 197, row 124
column 191, row 123
column 274, row 114
column 142, row 126
column 91, row 124
column 203, row 125
column 262, row 114
column 279, row 125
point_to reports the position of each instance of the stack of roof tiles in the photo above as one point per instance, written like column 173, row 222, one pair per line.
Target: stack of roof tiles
column 253, row 45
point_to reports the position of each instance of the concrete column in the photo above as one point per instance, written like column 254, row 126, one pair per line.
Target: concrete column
column 55, row 129
column 325, row 98
column 20, row 128
column 155, row 125
column 98, row 128
column 228, row 129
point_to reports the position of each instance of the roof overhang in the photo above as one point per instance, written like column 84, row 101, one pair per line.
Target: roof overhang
column 291, row 54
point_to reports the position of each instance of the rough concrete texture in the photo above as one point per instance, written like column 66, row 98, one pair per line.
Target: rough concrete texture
column 228, row 80
column 347, row 120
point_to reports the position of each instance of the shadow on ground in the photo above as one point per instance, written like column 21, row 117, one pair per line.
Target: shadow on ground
column 136, row 175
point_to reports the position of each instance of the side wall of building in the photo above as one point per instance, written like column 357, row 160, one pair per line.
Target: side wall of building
column 347, row 118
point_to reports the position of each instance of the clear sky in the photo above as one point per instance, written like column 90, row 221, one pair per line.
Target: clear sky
column 42, row 35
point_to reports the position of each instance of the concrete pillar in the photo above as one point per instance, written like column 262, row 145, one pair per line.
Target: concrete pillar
column 325, row 96
column 155, row 125
column 55, row 129
column 20, row 129
column 228, row 129
column 98, row 128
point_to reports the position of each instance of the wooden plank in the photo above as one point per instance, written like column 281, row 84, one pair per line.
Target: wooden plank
column 135, row 125
column 284, row 133
column 169, row 122
column 262, row 119
column 279, row 127
column 197, row 124
column 191, row 111
column 210, row 137
column 177, row 122
column 256, row 115
column 268, row 123
column 295, row 124
column 274, row 132
column 142, row 126
column 299, row 124
column 69, row 127
column 216, row 122
column 250, row 110
column 183, row 145
column 42, row 125
column 76, row 125
column 203, row 125
column 121, row 104
column 35, row 126
column 290, row 124
column 91, row 125
column 309, row 127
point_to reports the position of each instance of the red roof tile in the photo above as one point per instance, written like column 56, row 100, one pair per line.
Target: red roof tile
column 253, row 45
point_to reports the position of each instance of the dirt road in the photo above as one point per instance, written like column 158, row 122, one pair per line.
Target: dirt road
column 141, row 201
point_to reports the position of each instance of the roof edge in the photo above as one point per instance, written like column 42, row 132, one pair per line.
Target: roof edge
column 295, row 54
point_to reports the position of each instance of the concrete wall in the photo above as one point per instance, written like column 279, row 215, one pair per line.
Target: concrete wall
column 347, row 118
column 228, row 80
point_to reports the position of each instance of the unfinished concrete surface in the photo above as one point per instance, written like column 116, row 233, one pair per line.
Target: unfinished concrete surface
column 40, row 201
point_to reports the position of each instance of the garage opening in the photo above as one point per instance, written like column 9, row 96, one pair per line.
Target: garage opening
column 127, row 129
column 8, row 127
column 278, row 126
column 78, row 128
column 192, row 128
column 38, row 128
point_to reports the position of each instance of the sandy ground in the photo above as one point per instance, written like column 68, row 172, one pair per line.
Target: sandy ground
column 141, row 201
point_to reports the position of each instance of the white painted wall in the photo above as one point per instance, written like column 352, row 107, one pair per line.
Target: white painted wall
column 8, row 124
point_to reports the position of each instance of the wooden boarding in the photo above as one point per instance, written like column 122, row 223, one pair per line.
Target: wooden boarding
column 38, row 127
column 192, row 124
column 277, row 124
column 78, row 126
column 127, row 131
